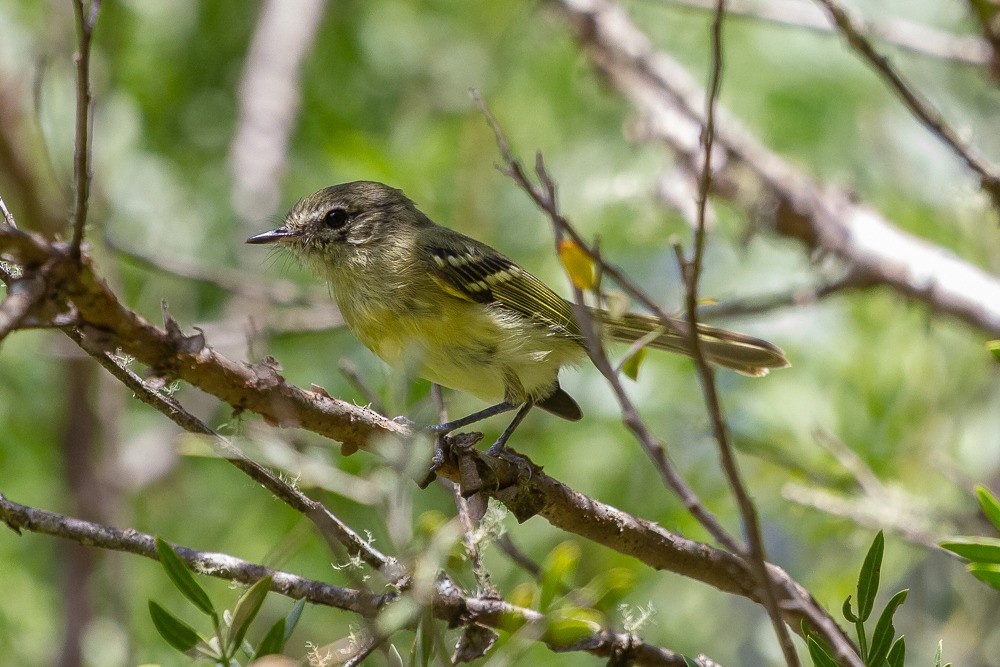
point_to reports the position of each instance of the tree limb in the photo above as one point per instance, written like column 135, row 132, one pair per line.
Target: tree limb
column 824, row 218
column 448, row 603
column 918, row 106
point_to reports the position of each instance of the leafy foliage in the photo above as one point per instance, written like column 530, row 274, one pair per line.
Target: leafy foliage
column 228, row 640
column 883, row 647
column 983, row 553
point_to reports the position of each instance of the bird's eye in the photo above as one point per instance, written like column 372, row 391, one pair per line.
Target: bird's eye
column 335, row 218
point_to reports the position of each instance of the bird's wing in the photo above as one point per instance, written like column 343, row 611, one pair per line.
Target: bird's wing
column 471, row 270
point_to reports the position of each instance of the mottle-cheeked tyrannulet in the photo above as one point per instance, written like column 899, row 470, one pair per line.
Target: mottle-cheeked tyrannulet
column 472, row 318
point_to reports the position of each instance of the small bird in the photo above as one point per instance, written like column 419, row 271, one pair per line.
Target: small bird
column 413, row 291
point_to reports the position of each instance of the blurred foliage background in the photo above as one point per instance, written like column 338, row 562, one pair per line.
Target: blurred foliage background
column 384, row 96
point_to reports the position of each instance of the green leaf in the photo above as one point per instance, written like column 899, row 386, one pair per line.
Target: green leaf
column 938, row 655
column 819, row 655
column 988, row 573
column 631, row 366
column 869, row 577
column 176, row 632
column 994, row 347
column 897, row 654
column 976, row 549
column 688, row 662
column 245, row 611
column 568, row 627
column 423, row 640
column 884, row 631
column 292, row 619
column 848, row 614
column 987, row 501
column 558, row 567
column 181, row 577
column 273, row 641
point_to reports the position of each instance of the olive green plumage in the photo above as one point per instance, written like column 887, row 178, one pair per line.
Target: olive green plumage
column 471, row 318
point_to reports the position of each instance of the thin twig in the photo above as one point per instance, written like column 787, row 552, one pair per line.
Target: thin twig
column 507, row 546
column 822, row 217
column 20, row 517
column 448, row 603
column 350, row 371
column 85, row 21
column 544, row 198
column 761, row 304
column 230, row 279
column 928, row 116
column 465, row 508
column 910, row 36
column 261, row 389
column 7, row 215
column 691, row 271
column 333, row 529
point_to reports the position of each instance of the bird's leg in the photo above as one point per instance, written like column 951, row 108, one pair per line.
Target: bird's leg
column 448, row 427
column 499, row 446
column 442, row 430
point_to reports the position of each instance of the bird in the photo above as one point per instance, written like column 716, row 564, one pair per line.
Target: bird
column 470, row 318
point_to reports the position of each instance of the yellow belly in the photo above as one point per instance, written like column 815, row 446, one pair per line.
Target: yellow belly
column 487, row 351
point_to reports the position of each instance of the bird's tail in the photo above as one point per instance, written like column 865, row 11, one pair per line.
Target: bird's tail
column 743, row 354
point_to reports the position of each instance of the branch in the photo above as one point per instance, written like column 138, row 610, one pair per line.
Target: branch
column 222, row 566
column 691, row 270
column 822, row 217
column 85, row 21
column 330, row 527
column 788, row 597
column 757, row 305
column 448, row 602
column 544, row 198
column 260, row 388
column 233, row 280
column 907, row 35
column 920, row 108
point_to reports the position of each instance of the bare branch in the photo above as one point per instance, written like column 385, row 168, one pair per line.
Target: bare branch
column 19, row 517
column 756, row 554
column 919, row 107
column 335, row 531
column 448, row 602
column 230, row 279
column 544, row 198
column 757, row 305
column 907, row 35
column 466, row 507
column 7, row 216
column 85, row 21
column 261, row 389
column 822, row 217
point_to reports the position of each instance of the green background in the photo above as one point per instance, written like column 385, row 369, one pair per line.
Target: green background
column 384, row 96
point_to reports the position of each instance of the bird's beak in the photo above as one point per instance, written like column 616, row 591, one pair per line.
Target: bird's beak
column 274, row 236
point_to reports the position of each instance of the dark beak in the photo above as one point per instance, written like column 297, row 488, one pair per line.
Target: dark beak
column 273, row 236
